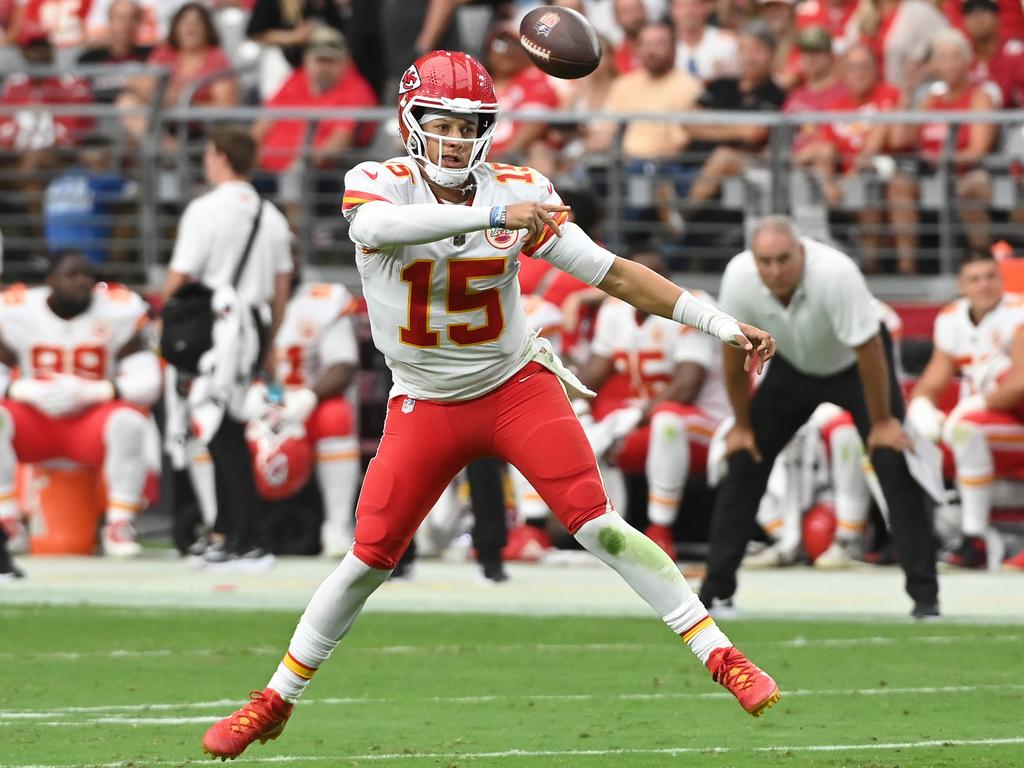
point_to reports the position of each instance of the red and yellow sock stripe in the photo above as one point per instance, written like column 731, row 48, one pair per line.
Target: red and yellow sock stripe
column 297, row 667
column 688, row 634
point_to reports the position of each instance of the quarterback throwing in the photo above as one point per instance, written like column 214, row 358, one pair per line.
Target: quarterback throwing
column 438, row 237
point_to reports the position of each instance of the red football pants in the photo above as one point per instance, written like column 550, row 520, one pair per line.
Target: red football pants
column 527, row 421
column 631, row 457
column 331, row 418
column 79, row 438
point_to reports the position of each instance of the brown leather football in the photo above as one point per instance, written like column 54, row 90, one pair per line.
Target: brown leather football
column 560, row 41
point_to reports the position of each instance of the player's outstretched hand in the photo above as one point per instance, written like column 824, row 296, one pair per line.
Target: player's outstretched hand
column 533, row 217
column 758, row 345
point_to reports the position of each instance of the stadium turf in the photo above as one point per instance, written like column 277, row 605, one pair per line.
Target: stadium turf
column 87, row 686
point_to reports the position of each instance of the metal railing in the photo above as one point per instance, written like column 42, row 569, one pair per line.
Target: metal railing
column 643, row 203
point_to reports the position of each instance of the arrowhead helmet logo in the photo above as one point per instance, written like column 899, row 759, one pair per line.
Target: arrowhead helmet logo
column 410, row 80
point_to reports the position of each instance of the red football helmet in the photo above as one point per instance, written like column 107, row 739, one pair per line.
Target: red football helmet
column 282, row 459
column 446, row 81
column 819, row 530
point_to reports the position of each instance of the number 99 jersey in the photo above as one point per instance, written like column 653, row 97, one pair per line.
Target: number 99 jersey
column 447, row 315
column 86, row 345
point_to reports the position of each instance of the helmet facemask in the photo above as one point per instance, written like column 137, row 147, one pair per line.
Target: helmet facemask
column 417, row 139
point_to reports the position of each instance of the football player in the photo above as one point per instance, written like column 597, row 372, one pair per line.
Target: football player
column 85, row 380
column 978, row 337
column 438, row 236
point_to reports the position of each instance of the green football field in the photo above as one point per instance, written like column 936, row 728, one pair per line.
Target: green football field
column 137, row 687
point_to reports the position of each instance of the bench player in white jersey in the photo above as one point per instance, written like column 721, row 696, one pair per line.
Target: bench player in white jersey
column 979, row 337
column 438, row 237
column 670, row 376
column 315, row 361
column 85, row 378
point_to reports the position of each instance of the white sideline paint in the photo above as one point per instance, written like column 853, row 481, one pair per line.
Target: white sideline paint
column 45, row 717
column 795, row 642
column 519, row 753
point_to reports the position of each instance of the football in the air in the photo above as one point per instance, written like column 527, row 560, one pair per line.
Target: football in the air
column 560, row 41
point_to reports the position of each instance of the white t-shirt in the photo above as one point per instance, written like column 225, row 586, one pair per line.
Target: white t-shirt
column 86, row 345
column 714, row 56
column 316, row 333
column 448, row 314
column 645, row 354
column 981, row 352
column 831, row 313
column 212, row 235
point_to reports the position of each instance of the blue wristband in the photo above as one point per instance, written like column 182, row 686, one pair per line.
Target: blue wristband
column 499, row 217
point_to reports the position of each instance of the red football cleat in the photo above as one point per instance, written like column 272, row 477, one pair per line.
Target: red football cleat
column 753, row 688
column 662, row 536
column 526, row 542
column 263, row 718
column 1015, row 563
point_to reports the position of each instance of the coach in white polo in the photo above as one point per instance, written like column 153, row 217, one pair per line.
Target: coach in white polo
column 831, row 348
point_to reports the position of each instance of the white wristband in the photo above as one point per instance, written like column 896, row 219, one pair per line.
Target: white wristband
column 690, row 310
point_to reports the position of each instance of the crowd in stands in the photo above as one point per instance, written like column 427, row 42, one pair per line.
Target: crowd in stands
column 671, row 56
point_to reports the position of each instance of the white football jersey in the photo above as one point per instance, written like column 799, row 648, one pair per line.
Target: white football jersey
column 646, row 353
column 981, row 352
column 316, row 333
column 448, row 314
column 86, row 345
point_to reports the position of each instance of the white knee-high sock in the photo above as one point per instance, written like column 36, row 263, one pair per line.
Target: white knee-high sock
column 529, row 504
column 653, row 576
column 124, row 465
column 200, row 471
column 337, row 472
column 668, row 466
column 849, row 488
column 975, row 471
column 327, row 619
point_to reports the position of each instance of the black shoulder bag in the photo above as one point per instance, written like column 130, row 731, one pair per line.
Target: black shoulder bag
column 188, row 315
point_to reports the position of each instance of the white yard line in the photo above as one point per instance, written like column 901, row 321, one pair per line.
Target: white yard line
column 103, row 714
column 794, row 642
column 528, row 753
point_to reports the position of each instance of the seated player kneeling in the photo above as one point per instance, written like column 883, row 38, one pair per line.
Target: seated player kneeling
column 85, row 380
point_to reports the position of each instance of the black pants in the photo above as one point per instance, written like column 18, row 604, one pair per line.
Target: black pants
column 487, row 495
column 781, row 405
column 239, row 506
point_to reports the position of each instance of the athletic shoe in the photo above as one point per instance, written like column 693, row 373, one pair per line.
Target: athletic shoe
column 972, row 553
column 836, row 558
column 494, row 571
column 771, row 556
column 263, row 718
column 17, row 534
column 925, row 611
column 254, row 559
column 721, row 608
column 198, row 548
column 1015, row 563
column 526, row 542
column 216, row 553
column 118, row 539
column 753, row 688
column 662, row 536
column 8, row 570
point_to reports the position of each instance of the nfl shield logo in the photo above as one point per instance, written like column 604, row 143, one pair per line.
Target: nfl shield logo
column 546, row 23
column 408, row 405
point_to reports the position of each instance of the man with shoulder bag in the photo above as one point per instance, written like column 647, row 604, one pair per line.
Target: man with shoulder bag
column 226, row 289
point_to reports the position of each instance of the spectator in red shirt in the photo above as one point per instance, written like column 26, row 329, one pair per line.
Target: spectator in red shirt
column 327, row 79
column 519, row 86
column 780, row 17
column 1010, row 12
column 63, row 22
column 954, row 91
column 852, row 148
column 996, row 59
column 192, row 53
column 822, row 87
column 33, row 136
column 631, row 16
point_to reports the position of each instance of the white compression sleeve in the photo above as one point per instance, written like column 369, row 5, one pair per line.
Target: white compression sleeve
column 382, row 225
column 692, row 311
column 574, row 252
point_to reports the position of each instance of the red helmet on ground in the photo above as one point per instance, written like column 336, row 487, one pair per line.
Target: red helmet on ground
column 282, row 459
column 446, row 82
column 819, row 529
